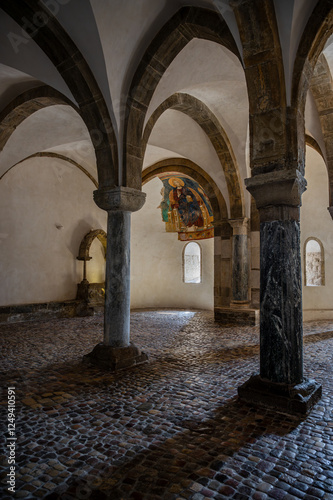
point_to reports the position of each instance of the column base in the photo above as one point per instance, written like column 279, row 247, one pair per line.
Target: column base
column 115, row 358
column 298, row 398
column 234, row 315
column 241, row 304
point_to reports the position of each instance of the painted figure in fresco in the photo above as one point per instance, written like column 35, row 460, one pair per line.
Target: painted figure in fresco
column 164, row 206
column 187, row 202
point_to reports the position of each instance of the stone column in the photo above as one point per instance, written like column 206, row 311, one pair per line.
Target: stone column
column 116, row 351
column 222, row 268
column 240, row 263
column 236, row 310
column 280, row 382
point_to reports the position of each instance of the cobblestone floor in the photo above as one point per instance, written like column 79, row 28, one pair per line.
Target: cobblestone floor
column 170, row 429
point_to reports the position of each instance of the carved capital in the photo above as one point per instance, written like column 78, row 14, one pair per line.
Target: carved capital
column 282, row 187
column 239, row 226
column 119, row 198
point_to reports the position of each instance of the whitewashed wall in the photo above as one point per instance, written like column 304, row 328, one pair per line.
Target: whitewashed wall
column 156, row 261
column 38, row 260
column 317, row 222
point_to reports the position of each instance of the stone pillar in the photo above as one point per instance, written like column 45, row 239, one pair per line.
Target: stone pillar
column 117, row 280
column 280, row 383
column 237, row 310
column 240, row 263
column 116, row 351
column 222, row 268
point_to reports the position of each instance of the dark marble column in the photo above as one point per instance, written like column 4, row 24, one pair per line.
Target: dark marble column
column 116, row 351
column 281, row 349
column 281, row 383
column 240, row 263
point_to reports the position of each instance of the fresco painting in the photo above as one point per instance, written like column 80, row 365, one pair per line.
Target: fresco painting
column 185, row 208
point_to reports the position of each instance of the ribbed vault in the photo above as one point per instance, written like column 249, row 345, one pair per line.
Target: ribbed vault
column 203, row 116
column 65, row 55
column 186, row 24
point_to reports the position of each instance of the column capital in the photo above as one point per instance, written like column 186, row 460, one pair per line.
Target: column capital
column 278, row 194
column 281, row 187
column 239, row 226
column 119, row 198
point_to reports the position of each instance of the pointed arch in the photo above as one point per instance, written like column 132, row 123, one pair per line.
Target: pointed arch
column 64, row 54
column 203, row 116
column 186, row 24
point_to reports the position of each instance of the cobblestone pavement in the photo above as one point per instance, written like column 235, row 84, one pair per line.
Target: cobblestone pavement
column 170, row 429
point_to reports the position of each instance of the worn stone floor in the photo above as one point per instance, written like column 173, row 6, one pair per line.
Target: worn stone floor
column 170, row 429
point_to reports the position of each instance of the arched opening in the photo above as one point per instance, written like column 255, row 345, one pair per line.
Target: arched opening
column 192, row 263
column 314, row 269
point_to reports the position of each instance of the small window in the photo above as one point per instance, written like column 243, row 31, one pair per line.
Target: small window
column 192, row 263
column 314, row 263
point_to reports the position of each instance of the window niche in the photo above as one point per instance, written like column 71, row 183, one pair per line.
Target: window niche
column 314, row 262
column 192, row 263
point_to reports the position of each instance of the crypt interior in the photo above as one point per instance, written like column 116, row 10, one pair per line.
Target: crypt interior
column 166, row 235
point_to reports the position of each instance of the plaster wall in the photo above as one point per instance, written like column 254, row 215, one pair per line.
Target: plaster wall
column 175, row 131
column 316, row 222
column 153, row 154
column 44, row 129
column 156, row 261
column 46, row 208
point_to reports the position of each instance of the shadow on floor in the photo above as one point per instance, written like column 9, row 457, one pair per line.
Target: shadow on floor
column 201, row 451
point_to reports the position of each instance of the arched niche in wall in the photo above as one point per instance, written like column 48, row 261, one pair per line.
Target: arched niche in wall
column 314, row 262
column 87, row 242
column 92, row 294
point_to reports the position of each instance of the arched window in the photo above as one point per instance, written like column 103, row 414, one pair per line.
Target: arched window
column 314, row 263
column 192, row 263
